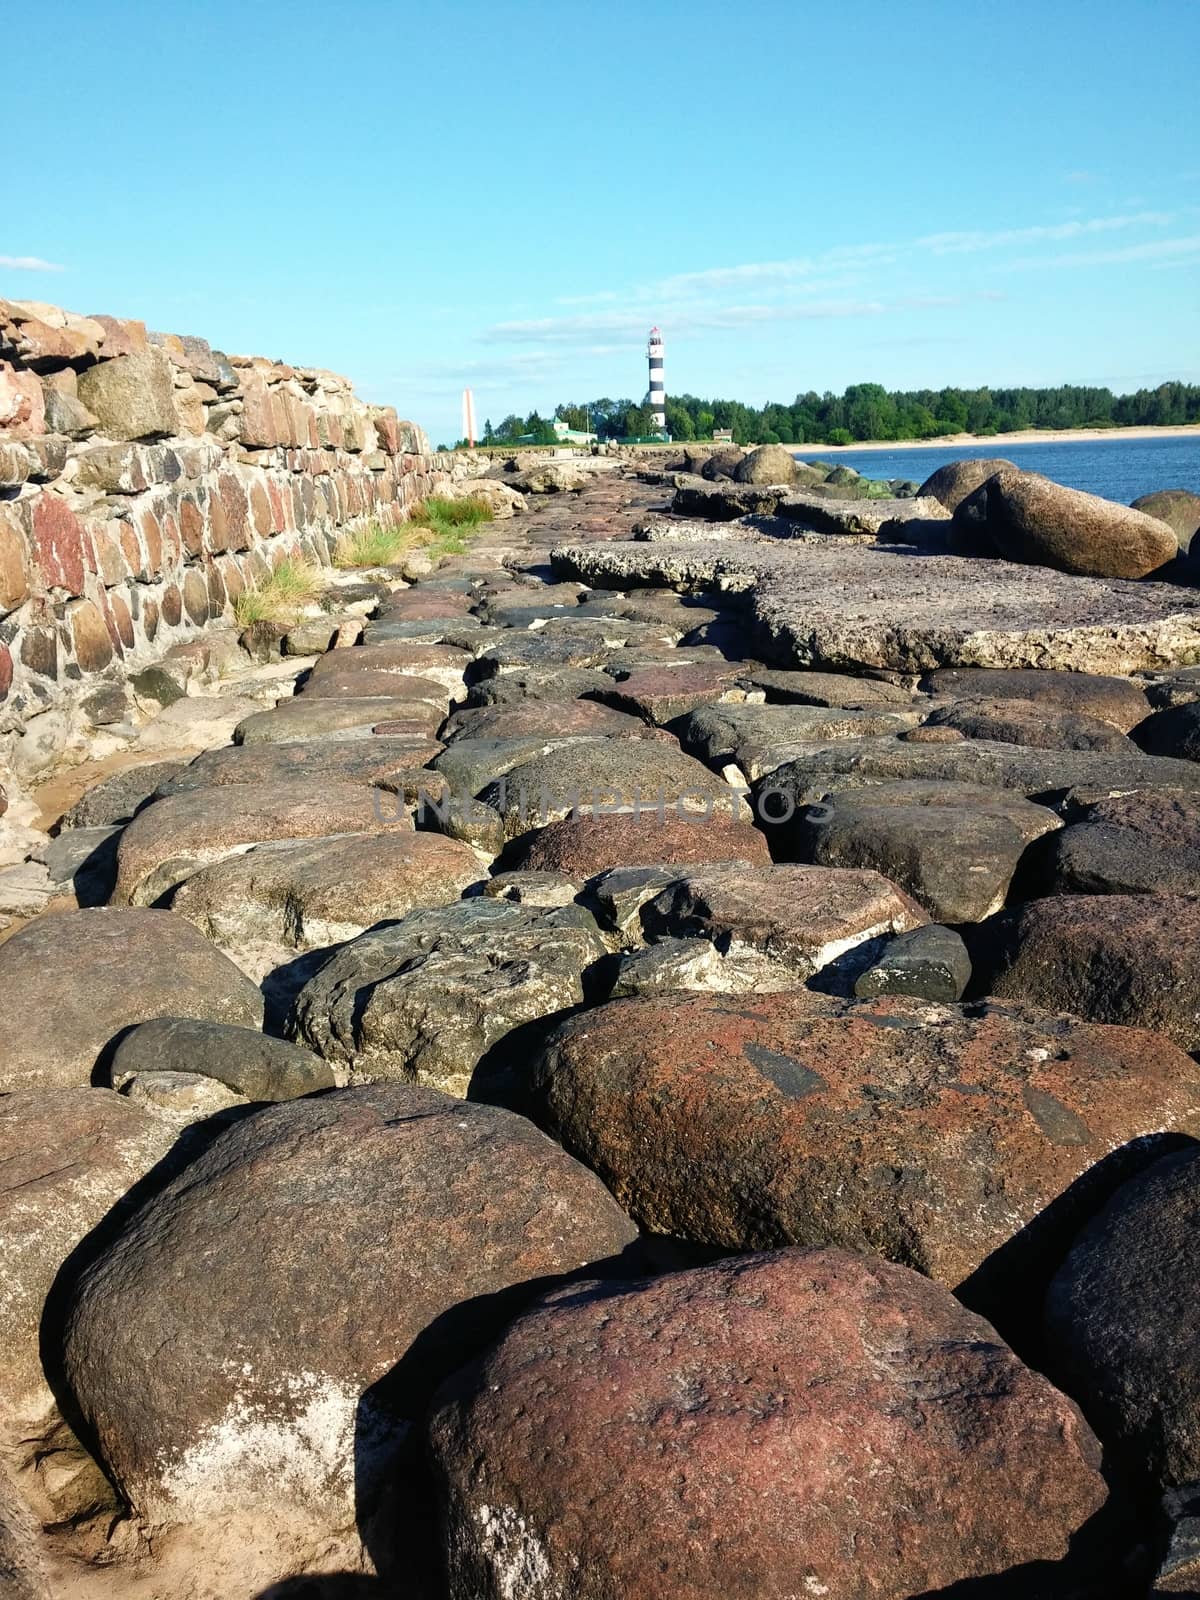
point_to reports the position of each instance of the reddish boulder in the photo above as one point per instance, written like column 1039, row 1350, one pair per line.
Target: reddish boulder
column 966, row 1142
column 805, row 1422
column 560, row 719
column 582, row 846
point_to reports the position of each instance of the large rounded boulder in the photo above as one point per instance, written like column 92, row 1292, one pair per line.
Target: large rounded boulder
column 968, row 1142
column 770, row 463
column 1032, row 519
column 1178, row 508
column 251, row 1349
column 790, row 1424
column 952, row 483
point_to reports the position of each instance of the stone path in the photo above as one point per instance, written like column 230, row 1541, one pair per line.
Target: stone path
column 594, row 933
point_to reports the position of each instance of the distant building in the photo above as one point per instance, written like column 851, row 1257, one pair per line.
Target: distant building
column 569, row 435
column 723, row 435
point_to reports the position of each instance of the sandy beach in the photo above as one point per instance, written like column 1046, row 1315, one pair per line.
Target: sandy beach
column 1025, row 436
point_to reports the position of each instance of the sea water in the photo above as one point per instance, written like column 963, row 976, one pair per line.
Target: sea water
column 1117, row 468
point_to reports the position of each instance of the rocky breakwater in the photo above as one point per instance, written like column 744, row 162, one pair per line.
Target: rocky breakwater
column 582, row 1091
column 146, row 479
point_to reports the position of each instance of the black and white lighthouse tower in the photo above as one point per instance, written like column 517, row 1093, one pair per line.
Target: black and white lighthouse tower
column 656, row 399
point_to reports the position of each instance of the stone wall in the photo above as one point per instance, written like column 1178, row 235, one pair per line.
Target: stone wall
column 146, row 479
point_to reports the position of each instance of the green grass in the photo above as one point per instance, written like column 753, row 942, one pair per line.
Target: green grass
column 292, row 586
column 439, row 527
column 376, row 545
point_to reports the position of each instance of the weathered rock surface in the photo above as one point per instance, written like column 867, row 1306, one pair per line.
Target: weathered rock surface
column 1121, row 1327
column 796, row 919
column 1084, row 694
column 250, row 1063
column 758, row 739
column 767, row 1425
column 952, row 483
column 953, row 847
column 910, row 521
column 968, row 1143
column 310, row 717
column 658, row 694
column 424, row 998
column 930, row 963
column 265, row 1399
column 425, row 669
column 1029, row 723
column 770, row 463
column 859, row 763
column 67, row 1156
column 133, row 396
column 22, row 1576
column 309, row 893
column 74, row 981
column 523, row 718
column 1029, row 518
column 1147, row 842
column 824, row 689
column 379, row 762
column 1124, row 959
column 173, row 838
column 848, row 607
column 1178, row 508
column 552, row 477
column 586, row 845
column 117, row 798
column 603, row 774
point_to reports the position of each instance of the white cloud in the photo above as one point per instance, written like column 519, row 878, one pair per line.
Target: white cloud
column 959, row 243
column 1168, row 252
column 28, row 264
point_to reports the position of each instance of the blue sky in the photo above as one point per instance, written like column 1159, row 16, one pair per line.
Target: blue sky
column 509, row 195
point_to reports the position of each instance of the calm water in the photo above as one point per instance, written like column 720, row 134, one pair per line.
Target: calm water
column 1119, row 469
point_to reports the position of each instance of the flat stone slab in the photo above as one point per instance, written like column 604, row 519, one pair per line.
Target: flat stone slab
column 853, row 606
column 310, row 718
column 856, row 763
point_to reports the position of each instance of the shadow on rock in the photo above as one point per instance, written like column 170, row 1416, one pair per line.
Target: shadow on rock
column 1009, row 1286
column 1104, row 1562
column 396, row 1507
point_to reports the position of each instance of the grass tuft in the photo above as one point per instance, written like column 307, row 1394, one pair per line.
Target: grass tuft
column 292, row 586
column 440, row 527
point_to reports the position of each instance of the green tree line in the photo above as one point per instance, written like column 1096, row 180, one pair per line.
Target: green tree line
column 869, row 411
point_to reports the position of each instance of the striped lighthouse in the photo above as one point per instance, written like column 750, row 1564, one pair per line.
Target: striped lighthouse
column 656, row 399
